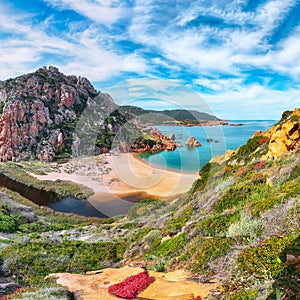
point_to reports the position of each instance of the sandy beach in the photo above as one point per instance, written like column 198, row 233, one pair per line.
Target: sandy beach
column 123, row 174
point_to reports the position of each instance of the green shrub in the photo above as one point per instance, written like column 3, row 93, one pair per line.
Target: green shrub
column 287, row 283
column 206, row 251
column 48, row 292
column 139, row 233
column 169, row 248
column 7, row 223
column 145, row 207
column 243, row 295
column 32, row 261
column 265, row 261
column 39, row 228
column 246, row 226
column 234, row 196
column 259, row 207
column 245, row 151
column 176, row 223
column 216, row 224
column 290, row 189
column 204, row 175
column 295, row 173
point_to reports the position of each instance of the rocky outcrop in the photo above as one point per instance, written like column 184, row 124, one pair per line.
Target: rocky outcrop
column 192, row 142
column 168, row 286
column 172, row 136
column 155, row 141
column 285, row 136
column 39, row 112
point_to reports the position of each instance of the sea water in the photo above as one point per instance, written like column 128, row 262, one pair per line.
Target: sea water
column 191, row 159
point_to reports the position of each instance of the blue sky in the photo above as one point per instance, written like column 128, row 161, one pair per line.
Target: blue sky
column 237, row 59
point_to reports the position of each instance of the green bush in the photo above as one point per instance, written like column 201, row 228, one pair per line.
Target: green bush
column 295, row 173
column 204, row 175
column 245, row 152
column 267, row 260
column 233, row 197
column 48, row 292
column 39, row 228
column 32, row 261
column 9, row 222
column 217, row 224
column 169, row 248
column 243, row 295
column 206, row 250
column 246, row 226
column 176, row 223
column 287, row 283
column 145, row 207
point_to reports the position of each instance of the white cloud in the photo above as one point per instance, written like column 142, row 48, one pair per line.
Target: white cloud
column 106, row 12
column 84, row 53
column 218, row 84
column 253, row 102
column 192, row 47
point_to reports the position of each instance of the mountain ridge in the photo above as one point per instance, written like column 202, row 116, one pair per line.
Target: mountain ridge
column 176, row 114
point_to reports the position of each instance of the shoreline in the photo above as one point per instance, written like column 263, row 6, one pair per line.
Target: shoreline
column 136, row 156
column 123, row 175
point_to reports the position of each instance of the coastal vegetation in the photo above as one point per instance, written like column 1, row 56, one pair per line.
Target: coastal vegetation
column 238, row 224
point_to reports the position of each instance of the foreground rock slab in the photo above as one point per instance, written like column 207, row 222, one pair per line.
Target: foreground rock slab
column 167, row 286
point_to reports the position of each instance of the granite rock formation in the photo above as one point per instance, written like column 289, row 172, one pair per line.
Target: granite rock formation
column 39, row 111
column 285, row 137
column 192, row 142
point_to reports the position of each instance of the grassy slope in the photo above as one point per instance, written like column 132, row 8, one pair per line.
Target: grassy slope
column 239, row 223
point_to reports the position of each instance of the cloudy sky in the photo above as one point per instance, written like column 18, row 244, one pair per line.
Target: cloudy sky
column 241, row 58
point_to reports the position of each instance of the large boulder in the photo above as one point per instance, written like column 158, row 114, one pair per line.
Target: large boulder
column 192, row 142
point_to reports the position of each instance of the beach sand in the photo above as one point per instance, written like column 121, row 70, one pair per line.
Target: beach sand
column 123, row 174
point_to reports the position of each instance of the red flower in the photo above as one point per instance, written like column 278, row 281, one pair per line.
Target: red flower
column 198, row 298
column 131, row 286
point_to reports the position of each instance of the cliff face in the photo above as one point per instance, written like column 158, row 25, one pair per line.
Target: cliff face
column 39, row 111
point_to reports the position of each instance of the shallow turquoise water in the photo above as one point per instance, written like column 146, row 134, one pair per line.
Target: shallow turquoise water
column 189, row 159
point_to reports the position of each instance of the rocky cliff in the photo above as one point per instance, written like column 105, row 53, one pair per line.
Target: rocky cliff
column 39, row 112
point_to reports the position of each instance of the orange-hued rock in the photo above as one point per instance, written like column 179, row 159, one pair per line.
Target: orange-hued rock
column 94, row 286
column 192, row 142
column 167, row 286
column 284, row 136
column 222, row 158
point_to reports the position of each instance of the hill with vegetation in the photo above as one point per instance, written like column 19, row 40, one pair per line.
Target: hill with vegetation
column 238, row 225
column 161, row 116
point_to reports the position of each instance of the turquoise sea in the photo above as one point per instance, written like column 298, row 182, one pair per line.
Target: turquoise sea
column 191, row 159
